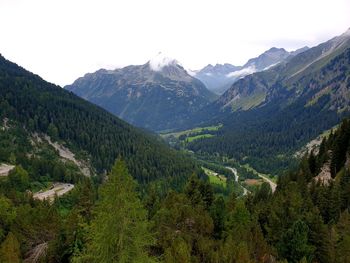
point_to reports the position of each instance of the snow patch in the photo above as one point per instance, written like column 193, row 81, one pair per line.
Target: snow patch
column 160, row 61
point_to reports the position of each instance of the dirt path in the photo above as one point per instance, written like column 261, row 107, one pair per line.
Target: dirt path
column 272, row 184
column 5, row 169
column 234, row 171
column 58, row 189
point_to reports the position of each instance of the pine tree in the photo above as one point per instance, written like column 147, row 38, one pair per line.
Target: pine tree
column 9, row 251
column 312, row 163
column 178, row 252
column 18, row 178
column 295, row 243
column 318, row 237
column 120, row 231
column 192, row 191
column 217, row 213
column 334, row 202
column 345, row 189
column 242, row 253
column 343, row 242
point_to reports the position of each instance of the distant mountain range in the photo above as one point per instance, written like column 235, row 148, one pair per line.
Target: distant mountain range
column 306, row 75
column 220, row 77
column 285, row 100
column 161, row 94
column 267, row 115
column 157, row 95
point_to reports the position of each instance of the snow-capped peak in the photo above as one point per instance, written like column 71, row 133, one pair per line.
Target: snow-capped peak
column 160, row 61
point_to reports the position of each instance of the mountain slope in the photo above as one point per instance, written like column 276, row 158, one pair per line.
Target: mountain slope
column 157, row 95
column 267, row 59
column 86, row 129
column 268, row 115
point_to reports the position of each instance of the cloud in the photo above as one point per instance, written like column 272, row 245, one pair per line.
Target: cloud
column 241, row 73
column 160, row 61
column 271, row 66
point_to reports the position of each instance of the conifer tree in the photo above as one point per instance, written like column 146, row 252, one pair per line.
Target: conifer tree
column 343, row 242
column 295, row 244
column 9, row 250
column 120, row 231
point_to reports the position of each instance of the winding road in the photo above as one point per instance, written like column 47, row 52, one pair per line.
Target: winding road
column 272, row 184
column 266, row 179
column 58, row 189
column 234, row 171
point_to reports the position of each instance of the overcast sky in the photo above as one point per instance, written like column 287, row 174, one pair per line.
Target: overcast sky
column 62, row 40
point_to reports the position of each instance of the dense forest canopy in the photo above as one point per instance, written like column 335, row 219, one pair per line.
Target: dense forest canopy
column 305, row 220
column 88, row 130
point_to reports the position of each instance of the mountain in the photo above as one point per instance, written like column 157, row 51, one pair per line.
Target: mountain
column 268, row 115
column 267, row 59
column 215, row 77
column 36, row 107
column 158, row 95
column 219, row 78
column 300, row 76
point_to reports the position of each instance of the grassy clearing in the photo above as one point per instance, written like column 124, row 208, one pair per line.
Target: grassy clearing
column 215, row 178
column 246, row 103
column 201, row 136
column 192, row 131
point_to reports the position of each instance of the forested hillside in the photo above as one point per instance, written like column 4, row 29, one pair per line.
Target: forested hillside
column 305, row 220
column 37, row 121
column 85, row 128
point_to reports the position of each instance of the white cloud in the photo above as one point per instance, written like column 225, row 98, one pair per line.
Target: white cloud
column 160, row 61
column 191, row 72
column 271, row 66
column 241, row 73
